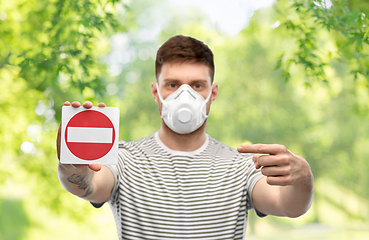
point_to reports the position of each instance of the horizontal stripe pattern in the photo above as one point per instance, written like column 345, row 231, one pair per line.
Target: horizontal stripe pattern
column 166, row 195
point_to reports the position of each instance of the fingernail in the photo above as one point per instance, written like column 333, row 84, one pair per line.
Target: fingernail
column 240, row 149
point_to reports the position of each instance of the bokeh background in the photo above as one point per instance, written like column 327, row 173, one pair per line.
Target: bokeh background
column 292, row 72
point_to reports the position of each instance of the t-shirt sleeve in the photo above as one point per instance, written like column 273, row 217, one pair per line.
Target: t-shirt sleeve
column 254, row 175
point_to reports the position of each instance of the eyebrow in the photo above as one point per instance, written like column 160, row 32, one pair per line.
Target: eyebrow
column 170, row 80
column 192, row 81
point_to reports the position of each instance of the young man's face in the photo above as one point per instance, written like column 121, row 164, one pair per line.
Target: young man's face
column 173, row 75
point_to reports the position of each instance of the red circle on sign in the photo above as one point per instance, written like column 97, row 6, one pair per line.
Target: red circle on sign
column 89, row 150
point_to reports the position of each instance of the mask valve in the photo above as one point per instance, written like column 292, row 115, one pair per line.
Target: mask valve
column 184, row 115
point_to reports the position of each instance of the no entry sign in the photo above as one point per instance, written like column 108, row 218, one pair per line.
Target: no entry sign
column 89, row 135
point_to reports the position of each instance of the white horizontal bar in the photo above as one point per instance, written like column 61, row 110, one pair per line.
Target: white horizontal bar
column 90, row 135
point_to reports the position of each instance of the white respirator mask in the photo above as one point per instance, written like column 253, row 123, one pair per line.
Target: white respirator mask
column 184, row 110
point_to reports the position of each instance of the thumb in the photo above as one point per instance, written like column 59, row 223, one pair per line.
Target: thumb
column 95, row 167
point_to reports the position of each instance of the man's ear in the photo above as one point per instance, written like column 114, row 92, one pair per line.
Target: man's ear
column 154, row 91
column 214, row 94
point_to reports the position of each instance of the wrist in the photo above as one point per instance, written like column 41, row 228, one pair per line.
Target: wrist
column 76, row 179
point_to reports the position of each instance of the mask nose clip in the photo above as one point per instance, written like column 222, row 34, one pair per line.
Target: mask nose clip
column 184, row 115
column 188, row 92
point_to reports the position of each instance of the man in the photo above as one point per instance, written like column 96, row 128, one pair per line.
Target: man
column 180, row 183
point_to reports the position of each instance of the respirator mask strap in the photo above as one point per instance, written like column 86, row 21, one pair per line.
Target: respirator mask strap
column 206, row 101
column 159, row 94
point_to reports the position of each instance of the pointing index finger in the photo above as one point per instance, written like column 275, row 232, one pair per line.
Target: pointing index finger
column 272, row 149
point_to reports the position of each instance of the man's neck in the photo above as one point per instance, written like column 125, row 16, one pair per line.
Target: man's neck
column 182, row 142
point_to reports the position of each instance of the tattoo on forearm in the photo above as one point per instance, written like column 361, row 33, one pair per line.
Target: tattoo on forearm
column 83, row 182
column 88, row 192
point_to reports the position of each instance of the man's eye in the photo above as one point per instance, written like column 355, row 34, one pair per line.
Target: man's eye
column 197, row 86
column 172, row 85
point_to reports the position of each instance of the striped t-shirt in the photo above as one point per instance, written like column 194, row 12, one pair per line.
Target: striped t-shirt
column 163, row 194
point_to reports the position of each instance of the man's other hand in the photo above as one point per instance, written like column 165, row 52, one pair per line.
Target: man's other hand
column 278, row 164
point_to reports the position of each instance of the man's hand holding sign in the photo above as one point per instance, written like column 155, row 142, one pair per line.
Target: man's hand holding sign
column 288, row 178
column 80, row 177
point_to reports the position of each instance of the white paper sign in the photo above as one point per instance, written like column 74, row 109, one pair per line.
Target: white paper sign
column 89, row 135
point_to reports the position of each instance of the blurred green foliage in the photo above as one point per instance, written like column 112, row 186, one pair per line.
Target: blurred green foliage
column 50, row 52
column 296, row 75
column 348, row 22
column 13, row 214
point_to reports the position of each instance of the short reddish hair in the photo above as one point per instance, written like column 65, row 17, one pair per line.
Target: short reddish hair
column 184, row 49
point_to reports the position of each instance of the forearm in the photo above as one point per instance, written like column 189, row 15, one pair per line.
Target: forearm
column 76, row 179
column 296, row 199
